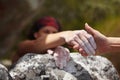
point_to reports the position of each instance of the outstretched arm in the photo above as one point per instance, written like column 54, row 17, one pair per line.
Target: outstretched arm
column 78, row 39
column 39, row 45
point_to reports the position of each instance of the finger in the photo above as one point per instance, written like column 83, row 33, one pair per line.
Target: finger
column 91, row 40
column 88, row 47
column 87, row 44
column 49, row 51
column 75, row 45
column 82, row 52
column 89, row 29
column 81, row 43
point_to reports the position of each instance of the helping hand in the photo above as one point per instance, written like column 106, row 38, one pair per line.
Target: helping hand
column 81, row 41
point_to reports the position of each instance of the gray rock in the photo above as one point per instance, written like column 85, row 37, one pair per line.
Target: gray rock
column 42, row 67
column 4, row 75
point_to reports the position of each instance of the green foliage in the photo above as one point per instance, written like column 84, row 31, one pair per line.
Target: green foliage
column 103, row 15
column 74, row 13
column 109, row 26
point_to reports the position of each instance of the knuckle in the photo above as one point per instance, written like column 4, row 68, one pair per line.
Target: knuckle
column 78, row 32
column 86, row 43
column 82, row 44
column 75, row 37
column 83, row 31
column 89, row 36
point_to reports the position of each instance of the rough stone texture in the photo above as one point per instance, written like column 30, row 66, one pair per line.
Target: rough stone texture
column 4, row 75
column 42, row 67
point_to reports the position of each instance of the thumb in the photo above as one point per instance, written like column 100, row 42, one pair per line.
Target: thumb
column 89, row 29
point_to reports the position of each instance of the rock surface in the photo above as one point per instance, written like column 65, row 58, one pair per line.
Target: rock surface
column 4, row 75
column 42, row 67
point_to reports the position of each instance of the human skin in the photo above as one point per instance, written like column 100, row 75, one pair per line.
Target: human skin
column 104, row 44
column 48, row 37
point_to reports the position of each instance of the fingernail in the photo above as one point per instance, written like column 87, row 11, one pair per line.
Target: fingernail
column 86, row 24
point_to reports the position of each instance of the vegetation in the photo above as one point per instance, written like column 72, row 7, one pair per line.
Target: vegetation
column 103, row 15
column 74, row 13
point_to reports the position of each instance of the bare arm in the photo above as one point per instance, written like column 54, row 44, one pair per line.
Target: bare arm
column 41, row 44
column 79, row 40
column 114, row 44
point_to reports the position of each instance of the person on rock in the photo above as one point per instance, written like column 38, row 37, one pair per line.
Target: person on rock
column 46, row 37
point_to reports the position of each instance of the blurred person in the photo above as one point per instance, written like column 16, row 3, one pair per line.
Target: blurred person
column 45, row 37
column 104, row 44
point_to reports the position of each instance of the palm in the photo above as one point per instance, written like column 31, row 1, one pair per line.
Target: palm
column 101, row 40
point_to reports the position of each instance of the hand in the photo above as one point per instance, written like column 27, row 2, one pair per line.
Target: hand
column 81, row 41
column 61, row 56
column 101, row 40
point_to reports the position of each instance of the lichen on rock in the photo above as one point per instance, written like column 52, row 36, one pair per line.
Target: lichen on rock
column 42, row 67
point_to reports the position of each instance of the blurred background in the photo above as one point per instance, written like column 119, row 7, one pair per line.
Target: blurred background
column 17, row 16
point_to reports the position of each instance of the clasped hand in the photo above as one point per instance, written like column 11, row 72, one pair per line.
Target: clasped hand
column 82, row 41
column 79, row 40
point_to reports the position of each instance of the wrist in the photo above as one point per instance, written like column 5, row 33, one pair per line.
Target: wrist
column 109, row 43
column 65, row 35
column 114, row 44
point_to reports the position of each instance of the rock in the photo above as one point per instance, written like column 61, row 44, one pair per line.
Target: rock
column 42, row 67
column 4, row 75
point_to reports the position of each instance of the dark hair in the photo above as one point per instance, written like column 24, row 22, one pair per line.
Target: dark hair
column 42, row 22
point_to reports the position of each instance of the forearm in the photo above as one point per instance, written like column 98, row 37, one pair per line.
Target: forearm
column 114, row 44
column 41, row 44
column 54, row 40
column 51, row 40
